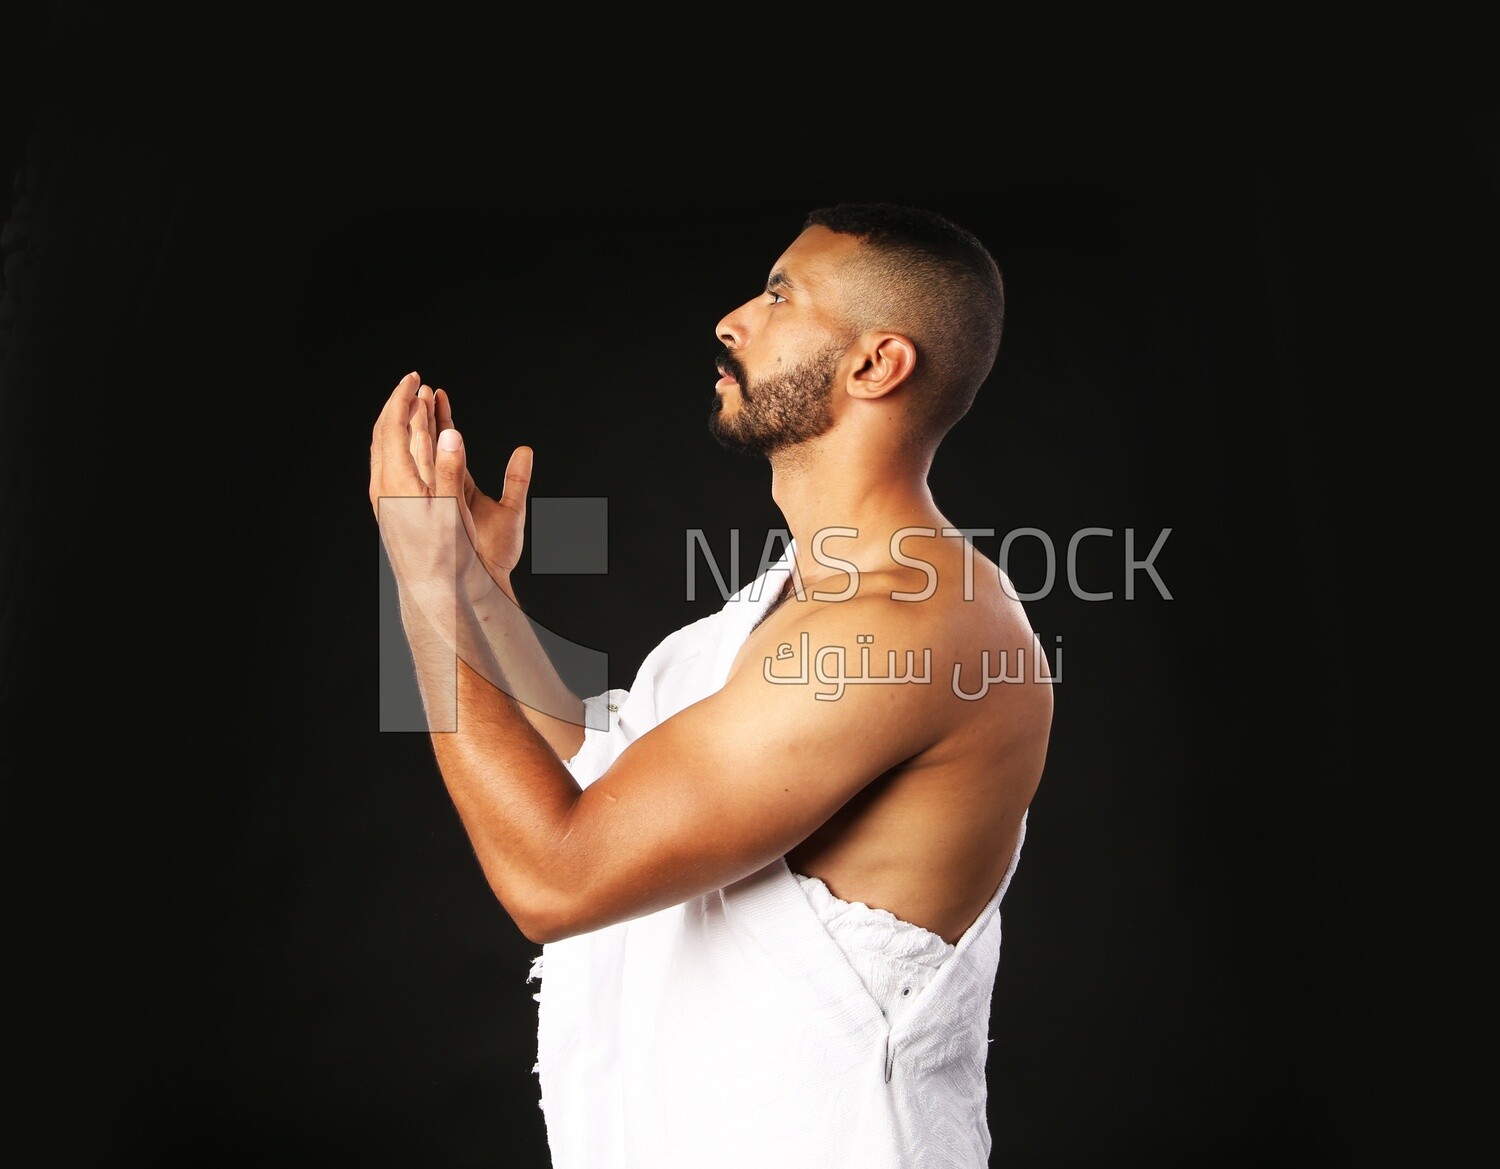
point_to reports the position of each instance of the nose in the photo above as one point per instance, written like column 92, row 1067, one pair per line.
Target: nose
column 731, row 330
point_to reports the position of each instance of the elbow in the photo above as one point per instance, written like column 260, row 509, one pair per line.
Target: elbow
column 536, row 928
column 546, row 898
column 543, row 917
column 534, row 932
column 544, row 936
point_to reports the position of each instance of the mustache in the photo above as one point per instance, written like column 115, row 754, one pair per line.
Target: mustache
column 727, row 363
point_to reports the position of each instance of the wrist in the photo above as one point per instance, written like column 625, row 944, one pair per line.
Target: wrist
column 483, row 580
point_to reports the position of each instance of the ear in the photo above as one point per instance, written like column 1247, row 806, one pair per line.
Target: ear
column 882, row 361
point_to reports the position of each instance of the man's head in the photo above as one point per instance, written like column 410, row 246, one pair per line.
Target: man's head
column 870, row 299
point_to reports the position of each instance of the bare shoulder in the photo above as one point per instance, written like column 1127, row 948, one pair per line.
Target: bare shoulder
column 955, row 628
column 987, row 663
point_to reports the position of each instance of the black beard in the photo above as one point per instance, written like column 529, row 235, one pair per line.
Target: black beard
column 780, row 411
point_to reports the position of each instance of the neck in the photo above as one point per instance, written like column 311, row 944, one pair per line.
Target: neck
column 843, row 507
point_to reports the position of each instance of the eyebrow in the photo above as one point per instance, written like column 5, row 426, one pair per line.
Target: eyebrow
column 779, row 280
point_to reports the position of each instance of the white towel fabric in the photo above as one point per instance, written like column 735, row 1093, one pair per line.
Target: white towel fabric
column 893, row 958
column 733, row 1031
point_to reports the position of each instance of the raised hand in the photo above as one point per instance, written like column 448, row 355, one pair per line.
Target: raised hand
column 452, row 549
column 417, row 475
column 498, row 524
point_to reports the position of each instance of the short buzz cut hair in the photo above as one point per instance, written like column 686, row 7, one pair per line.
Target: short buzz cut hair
column 935, row 282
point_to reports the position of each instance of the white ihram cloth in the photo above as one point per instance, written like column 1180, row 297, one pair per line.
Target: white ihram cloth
column 732, row 1030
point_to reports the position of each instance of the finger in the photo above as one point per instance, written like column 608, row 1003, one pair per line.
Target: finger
column 419, row 441
column 449, row 467
column 388, row 437
column 517, row 481
column 444, row 405
column 453, row 478
column 394, row 414
column 397, row 408
column 429, row 395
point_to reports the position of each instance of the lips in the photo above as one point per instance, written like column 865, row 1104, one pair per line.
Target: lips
column 726, row 378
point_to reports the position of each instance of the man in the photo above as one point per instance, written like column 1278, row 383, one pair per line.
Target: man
column 766, row 878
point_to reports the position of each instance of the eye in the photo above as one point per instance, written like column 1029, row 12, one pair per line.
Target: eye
column 776, row 297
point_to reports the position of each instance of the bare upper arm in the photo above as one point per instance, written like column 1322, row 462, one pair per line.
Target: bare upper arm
column 742, row 776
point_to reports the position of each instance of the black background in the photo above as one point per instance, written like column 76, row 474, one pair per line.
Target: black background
column 249, row 930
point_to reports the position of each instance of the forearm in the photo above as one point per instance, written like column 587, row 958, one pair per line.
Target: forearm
column 544, row 699
column 474, row 653
column 514, row 797
column 479, row 621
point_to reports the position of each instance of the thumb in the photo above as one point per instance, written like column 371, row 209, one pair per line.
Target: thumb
column 449, row 464
column 517, row 480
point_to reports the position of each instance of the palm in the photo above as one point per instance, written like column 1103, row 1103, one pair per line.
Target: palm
column 499, row 526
